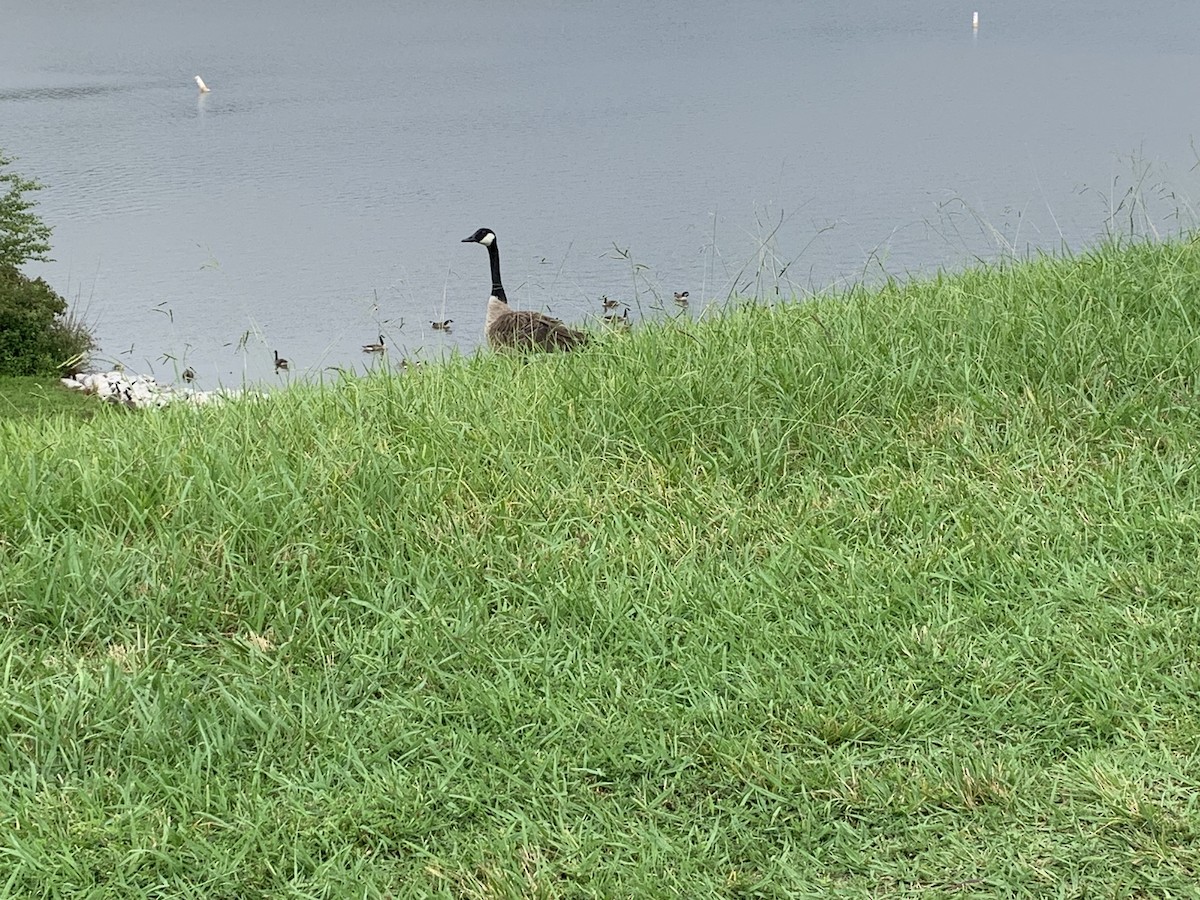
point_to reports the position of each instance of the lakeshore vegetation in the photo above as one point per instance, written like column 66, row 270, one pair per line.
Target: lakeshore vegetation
column 892, row 593
column 37, row 335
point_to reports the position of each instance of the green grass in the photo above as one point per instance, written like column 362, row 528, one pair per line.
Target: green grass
column 38, row 398
column 890, row 594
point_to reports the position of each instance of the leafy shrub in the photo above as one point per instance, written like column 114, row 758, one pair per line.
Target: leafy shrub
column 36, row 338
column 36, row 335
column 23, row 236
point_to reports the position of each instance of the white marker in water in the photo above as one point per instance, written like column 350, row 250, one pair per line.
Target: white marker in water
column 202, row 85
column 975, row 21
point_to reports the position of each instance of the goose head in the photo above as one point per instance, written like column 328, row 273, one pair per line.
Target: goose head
column 497, row 301
column 484, row 236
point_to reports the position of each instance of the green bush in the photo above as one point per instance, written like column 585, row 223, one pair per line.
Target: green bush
column 36, row 338
column 23, row 236
column 36, row 335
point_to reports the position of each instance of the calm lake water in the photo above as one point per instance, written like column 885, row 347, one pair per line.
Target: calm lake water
column 318, row 195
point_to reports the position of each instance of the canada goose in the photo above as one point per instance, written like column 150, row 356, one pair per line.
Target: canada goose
column 189, row 374
column 522, row 329
column 281, row 364
column 375, row 348
column 620, row 322
column 681, row 299
column 607, row 304
column 444, row 325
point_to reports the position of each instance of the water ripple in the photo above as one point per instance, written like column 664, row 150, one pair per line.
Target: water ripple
column 61, row 92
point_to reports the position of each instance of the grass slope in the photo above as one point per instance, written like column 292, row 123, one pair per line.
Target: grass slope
column 890, row 594
column 37, row 398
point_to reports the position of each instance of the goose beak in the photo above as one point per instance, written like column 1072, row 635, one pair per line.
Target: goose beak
column 469, row 240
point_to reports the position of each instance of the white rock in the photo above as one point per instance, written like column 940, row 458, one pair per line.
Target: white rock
column 141, row 391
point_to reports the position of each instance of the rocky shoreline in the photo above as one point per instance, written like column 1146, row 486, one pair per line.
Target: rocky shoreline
column 142, row 391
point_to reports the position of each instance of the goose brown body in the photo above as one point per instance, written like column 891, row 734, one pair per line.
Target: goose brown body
column 519, row 329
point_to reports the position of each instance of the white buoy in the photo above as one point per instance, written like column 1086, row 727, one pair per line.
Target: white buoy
column 204, row 87
column 974, row 24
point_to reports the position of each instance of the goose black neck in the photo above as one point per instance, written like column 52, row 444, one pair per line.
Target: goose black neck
column 494, row 258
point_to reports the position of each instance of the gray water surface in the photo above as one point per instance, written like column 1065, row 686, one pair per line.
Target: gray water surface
column 318, row 195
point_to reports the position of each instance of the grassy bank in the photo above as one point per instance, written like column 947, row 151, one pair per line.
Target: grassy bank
column 33, row 397
column 891, row 594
